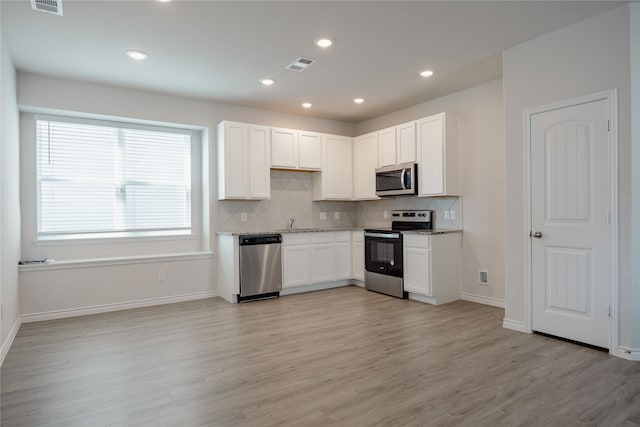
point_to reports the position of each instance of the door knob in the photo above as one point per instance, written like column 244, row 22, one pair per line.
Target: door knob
column 536, row 235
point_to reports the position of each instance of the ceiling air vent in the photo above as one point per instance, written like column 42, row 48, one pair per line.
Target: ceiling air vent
column 51, row 6
column 301, row 64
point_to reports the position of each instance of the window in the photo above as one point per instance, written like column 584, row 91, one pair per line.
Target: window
column 104, row 179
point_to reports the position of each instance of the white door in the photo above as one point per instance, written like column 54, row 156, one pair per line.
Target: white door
column 570, row 216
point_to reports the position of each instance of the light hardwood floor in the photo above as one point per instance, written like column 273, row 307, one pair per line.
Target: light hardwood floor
column 342, row 357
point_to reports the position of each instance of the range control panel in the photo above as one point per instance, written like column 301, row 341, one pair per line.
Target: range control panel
column 412, row 215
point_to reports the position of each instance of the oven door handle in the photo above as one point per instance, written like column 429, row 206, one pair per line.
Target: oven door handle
column 383, row 235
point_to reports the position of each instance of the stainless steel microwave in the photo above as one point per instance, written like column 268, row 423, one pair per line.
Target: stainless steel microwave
column 397, row 180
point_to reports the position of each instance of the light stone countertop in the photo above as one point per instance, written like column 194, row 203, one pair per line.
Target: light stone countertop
column 333, row 229
column 432, row 232
column 292, row 230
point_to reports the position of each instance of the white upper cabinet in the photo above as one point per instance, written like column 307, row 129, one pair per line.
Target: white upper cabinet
column 437, row 153
column 387, row 147
column 292, row 149
column 365, row 162
column 309, row 150
column 258, row 173
column 243, row 161
column 284, row 148
column 406, row 143
column 335, row 182
column 397, row 145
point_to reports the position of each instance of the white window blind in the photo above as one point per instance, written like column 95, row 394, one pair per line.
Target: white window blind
column 112, row 178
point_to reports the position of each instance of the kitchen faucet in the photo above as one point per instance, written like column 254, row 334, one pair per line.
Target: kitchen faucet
column 291, row 220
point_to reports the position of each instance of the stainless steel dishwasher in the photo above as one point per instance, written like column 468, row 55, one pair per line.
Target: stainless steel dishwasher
column 260, row 266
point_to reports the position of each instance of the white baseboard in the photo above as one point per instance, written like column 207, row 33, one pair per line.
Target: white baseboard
column 515, row 325
column 9, row 341
column 627, row 353
column 495, row 302
column 105, row 308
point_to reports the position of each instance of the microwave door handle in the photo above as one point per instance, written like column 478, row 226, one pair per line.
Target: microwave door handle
column 403, row 179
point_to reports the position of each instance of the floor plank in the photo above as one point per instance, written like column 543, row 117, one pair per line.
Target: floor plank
column 341, row 357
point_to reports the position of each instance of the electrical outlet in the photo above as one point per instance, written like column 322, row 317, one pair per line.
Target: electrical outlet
column 160, row 275
column 452, row 214
column 385, row 215
column 323, row 216
column 243, row 217
column 447, row 215
column 337, row 215
column 483, row 277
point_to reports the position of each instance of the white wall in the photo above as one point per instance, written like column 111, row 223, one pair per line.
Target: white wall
column 585, row 58
column 482, row 174
column 77, row 288
column 635, row 171
column 9, row 199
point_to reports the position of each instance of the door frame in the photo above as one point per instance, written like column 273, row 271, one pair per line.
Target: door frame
column 611, row 97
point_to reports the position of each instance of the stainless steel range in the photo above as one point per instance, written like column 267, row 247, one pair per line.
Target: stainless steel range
column 383, row 251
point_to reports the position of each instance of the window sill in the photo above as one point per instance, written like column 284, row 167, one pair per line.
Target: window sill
column 120, row 238
column 102, row 262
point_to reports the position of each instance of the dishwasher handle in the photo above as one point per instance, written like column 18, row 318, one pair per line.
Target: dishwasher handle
column 260, row 239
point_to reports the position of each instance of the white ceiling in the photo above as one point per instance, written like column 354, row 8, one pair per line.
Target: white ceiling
column 218, row 50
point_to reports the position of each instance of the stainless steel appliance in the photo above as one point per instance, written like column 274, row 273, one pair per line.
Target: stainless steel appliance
column 397, row 180
column 260, row 266
column 383, row 251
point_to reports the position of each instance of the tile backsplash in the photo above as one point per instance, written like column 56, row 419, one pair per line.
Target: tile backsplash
column 372, row 213
column 292, row 196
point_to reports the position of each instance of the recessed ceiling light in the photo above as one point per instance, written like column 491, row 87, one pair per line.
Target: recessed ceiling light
column 164, row 1
column 426, row 73
column 267, row 81
column 323, row 42
column 138, row 55
column 358, row 100
column 306, row 105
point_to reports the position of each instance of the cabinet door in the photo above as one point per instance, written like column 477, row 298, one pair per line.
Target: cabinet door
column 387, row 147
column 336, row 177
column 365, row 162
column 259, row 175
column 431, row 156
column 296, row 265
column 323, row 263
column 309, row 151
column 406, row 143
column 343, row 261
column 417, row 270
column 284, row 148
column 357, row 257
column 232, row 152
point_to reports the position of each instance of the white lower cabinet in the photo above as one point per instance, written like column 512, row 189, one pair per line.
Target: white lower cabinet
column 323, row 259
column 296, row 259
column 431, row 266
column 357, row 255
column 343, row 255
column 319, row 257
column 297, row 269
column 417, row 269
